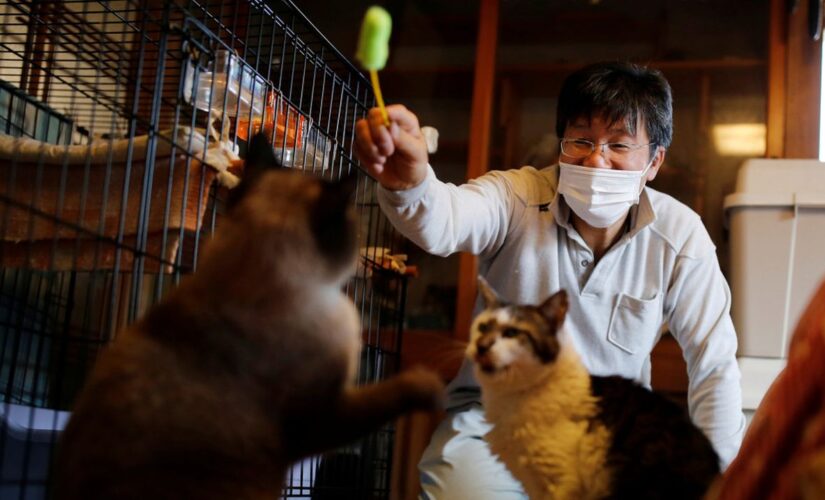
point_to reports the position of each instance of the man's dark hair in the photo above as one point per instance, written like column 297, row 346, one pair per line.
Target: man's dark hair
column 617, row 91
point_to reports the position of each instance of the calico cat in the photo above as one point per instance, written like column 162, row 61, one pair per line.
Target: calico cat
column 246, row 367
column 566, row 434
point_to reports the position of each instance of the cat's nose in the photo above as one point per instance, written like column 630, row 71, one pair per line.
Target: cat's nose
column 484, row 344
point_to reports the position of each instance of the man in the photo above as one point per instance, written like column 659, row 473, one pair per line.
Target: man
column 631, row 259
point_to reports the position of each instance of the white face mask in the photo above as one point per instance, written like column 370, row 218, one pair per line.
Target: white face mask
column 600, row 196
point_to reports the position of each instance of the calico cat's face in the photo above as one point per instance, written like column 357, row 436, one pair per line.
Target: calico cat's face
column 307, row 223
column 508, row 339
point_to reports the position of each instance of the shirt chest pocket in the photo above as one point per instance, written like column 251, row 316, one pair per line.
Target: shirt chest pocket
column 634, row 323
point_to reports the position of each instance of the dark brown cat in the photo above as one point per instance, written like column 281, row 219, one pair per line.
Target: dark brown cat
column 246, row 367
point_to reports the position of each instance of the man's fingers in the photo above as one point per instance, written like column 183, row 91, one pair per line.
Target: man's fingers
column 382, row 137
column 374, row 169
column 379, row 134
column 407, row 120
column 393, row 154
column 410, row 143
column 366, row 152
column 365, row 148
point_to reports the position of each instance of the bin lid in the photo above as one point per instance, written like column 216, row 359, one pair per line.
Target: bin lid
column 784, row 182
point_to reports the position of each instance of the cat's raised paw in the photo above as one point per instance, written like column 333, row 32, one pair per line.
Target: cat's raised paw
column 424, row 388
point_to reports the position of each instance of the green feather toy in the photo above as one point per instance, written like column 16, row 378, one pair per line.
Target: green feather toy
column 374, row 48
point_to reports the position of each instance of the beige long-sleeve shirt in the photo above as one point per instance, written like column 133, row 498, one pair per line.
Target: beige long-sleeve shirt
column 663, row 270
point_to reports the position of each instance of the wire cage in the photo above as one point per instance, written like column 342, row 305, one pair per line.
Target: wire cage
column 123, row 125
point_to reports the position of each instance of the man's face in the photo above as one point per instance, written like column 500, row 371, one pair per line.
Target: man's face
column 600, row 131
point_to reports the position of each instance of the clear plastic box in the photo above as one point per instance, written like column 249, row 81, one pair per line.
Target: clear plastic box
column 297, row 143
column 311, row 153
column 231, row 88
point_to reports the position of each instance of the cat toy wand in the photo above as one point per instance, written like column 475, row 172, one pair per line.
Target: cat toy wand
column 373, row 49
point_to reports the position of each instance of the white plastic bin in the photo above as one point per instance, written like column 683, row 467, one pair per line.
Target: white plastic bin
column 777, row 249
column 777, row 259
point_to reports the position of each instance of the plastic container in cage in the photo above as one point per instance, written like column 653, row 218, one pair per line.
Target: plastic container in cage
column 230, row 88
column 313, row 153
column 23, row 116
column 29, row 436
column 297, row 143
column 282, row 123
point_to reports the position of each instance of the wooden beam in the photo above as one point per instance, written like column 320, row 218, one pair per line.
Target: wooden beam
column 510, row 116
column 478, row 153
column 700, row 178
column 412, row 435
column 483, row 85
column 437, row 351
column 803, row 81
column 777, row 74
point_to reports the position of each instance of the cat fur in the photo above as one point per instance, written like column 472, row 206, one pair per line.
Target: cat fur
column 565, row 434
column 248, row 366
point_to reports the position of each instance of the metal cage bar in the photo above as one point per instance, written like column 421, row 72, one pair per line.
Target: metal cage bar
column 120, row 125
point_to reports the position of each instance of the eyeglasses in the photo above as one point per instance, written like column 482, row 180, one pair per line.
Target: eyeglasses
column 581, row 148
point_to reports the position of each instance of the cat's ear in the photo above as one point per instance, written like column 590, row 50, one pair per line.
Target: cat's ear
column 554, row 309
column 260, row 157
column 331, row 222
column 491, row 298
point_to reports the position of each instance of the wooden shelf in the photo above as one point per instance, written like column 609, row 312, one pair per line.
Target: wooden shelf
column 455, row 82
column 566, row 67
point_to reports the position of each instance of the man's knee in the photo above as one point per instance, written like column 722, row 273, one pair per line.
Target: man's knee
column 458, row 463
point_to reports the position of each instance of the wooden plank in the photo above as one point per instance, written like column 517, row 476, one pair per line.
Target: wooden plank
column 478, row 149
column 412, row 435
column 668, row 368
column 777, row 74
column 563, row 68
column 510, row 118
column 438, row 351
column 804, row 66
column 700, row 179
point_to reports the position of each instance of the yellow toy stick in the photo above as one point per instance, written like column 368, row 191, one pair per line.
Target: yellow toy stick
column 373, row 49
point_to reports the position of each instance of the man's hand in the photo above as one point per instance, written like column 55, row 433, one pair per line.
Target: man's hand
column 396, row 155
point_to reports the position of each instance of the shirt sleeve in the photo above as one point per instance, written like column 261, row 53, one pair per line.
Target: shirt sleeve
column 698, row 301
column 443, row 218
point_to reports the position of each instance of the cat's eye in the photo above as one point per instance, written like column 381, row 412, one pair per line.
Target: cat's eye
column 510, row 333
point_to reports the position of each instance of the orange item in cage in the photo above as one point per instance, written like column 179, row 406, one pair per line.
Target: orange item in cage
column 287, row 122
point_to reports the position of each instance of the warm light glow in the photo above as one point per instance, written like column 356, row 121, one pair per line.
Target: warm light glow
column 740, row 139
